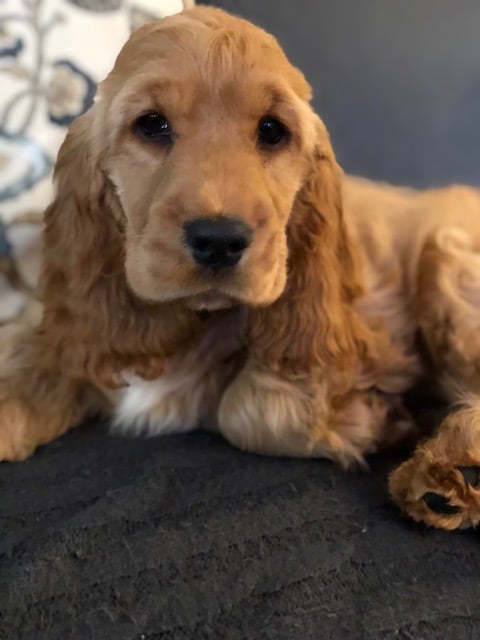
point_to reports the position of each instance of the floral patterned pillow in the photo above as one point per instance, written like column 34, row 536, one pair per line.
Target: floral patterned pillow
column 52, row 54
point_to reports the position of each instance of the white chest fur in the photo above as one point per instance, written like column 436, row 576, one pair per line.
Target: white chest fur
column 188, row 393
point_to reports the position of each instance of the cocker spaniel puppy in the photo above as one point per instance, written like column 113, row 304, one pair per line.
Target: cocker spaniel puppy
column 202, row 267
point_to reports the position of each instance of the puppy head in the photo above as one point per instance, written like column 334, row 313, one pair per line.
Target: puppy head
column 204, row 129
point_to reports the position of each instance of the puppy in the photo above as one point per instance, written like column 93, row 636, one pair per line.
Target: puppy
column 205, row 264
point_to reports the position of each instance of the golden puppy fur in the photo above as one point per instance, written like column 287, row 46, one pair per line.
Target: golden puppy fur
column 306, row 345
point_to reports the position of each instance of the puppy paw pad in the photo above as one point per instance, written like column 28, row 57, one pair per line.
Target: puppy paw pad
column 471, row 475
column 439, row 504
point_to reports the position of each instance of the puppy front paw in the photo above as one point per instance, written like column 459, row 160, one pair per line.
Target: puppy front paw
column 17, row 441
column 264, row 413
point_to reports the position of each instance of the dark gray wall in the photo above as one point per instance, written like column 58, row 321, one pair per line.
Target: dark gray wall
column 396, row 81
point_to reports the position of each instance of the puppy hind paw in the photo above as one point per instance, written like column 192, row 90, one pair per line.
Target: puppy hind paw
column 442, row 496
column 438, row 503
column 440, row 484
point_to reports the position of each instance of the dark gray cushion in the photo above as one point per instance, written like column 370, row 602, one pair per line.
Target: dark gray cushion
column 397, row 82
column 185, row 538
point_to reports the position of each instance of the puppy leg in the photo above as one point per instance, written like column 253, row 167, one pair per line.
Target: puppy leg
column 440, row 484
column 37, row 403
column 265, row 413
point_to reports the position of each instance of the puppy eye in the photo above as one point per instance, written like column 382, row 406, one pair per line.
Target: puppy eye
column 271, row 132
column 153, row 127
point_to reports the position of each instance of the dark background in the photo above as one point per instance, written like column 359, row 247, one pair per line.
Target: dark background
column 186, row 538
column 396, row 81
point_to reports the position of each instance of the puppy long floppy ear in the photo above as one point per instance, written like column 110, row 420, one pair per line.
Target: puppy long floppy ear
column 93, row 326
column 312, row 324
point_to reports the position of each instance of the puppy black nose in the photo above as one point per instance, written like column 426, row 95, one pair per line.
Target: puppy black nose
column 217, row 242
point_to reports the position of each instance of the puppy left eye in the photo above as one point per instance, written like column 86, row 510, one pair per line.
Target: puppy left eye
column 271, row 132
column 154, row 127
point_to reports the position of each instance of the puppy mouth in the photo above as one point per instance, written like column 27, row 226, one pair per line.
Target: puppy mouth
column 211, row 301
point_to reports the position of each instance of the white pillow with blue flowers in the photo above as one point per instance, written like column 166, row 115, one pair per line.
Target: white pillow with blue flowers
column 52, row 54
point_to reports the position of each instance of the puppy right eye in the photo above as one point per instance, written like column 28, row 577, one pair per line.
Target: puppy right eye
column 154, row 127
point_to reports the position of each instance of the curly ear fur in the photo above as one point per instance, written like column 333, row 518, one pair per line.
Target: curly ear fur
column 93, row 326
column 313, row 323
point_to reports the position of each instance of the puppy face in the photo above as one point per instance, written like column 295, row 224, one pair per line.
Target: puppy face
column 207, row 136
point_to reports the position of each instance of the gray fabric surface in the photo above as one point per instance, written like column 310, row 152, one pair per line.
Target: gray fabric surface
column 184, row 537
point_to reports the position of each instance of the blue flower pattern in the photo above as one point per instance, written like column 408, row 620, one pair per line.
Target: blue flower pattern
column 69, row 93
column 9, row 45
column 5, row 248
column 39, row 90
column 24, row 164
